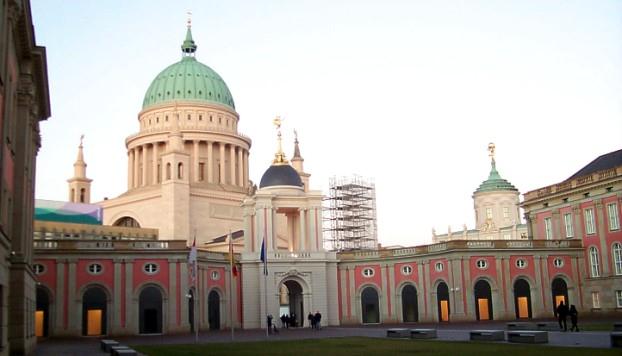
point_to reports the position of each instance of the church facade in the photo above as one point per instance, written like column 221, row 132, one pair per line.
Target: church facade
column 261, row 250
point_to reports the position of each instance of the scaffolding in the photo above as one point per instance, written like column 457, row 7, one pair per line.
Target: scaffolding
column 350, row 215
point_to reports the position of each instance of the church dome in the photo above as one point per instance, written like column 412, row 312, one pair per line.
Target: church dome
column 280, row 174
column 495, row 183
column 188, row 80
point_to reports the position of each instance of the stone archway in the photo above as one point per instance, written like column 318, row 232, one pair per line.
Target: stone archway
column 42, row 313
column 294, row 302
column 213, row 310
column 559, row 293
column 522, row 299
column 150, row 311
column 442, row 296
column 483, row 300
column 370, row 307
column 94, row 311
column 410, row 308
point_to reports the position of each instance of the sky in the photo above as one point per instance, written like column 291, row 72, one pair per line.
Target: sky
column 406, row 93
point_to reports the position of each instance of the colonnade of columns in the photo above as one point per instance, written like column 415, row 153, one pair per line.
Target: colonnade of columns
column 228, row 165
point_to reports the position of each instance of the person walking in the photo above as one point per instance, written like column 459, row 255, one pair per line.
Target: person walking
column 269, row 317
column 574, row 317
column 311, row 320
column 562, row 315
column 317, row 320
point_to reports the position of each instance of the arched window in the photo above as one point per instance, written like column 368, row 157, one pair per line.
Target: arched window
column 168, row 171
column 180, row 171
column 126, row 221
column 72, row 198
column 617, row 258
column 82, row 194
column 594, row 264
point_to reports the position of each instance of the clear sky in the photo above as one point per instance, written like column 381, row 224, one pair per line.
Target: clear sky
column 408, row 93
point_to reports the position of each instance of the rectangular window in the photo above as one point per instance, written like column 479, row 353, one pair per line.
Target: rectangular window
column 594, row 263
column 595, row 300
column 619, row 298
column 548, row 228
column 506, row 212
column 488, row 213
column 589, row 221
column 614, row 220
column 568, row 224
column 201, row 171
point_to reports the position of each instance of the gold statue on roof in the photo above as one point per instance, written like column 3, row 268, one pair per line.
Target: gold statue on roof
column 491, row 149
column 279, row 157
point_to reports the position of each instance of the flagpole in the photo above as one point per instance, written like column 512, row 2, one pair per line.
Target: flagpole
column 231, row 285
column 196, row 299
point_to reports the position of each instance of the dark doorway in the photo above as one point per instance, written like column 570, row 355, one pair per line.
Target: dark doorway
column 410, row 310
column 442, row 295
column 94, row 316
column 295, row 302
column 150, row 311
column 369, row 306
column 483, row 300
column 522, row 299
column 42, row 313
column 559, row 291
column 191, row 309
column 213, row 310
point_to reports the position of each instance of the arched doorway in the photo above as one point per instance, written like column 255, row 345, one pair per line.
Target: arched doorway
column 94, row 316
column 42, row 313
column 150, row 311
column 522, row 299
column 370, row 306
column 442, row 295
column 410, row 310
column 559, row 291
column 483, row 300
column 190, row 297
column 213, row 310
column 292, row 303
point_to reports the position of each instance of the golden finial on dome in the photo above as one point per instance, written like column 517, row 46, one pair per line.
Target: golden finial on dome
column 189, row 21
column 279, row 157
column 491, row 149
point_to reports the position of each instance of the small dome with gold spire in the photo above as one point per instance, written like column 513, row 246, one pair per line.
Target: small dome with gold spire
column 280, row 173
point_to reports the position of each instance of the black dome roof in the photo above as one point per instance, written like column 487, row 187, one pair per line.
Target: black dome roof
column 282, row 174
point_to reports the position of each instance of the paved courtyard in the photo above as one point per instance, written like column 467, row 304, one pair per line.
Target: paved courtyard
column 447, row 332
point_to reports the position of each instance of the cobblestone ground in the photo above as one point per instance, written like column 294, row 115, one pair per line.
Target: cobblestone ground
column 448, row 332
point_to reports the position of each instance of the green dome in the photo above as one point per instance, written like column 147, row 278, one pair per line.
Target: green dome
column 495, row 182
column 188, row 80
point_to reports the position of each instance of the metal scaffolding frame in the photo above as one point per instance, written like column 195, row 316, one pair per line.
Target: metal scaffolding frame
column 350, row 214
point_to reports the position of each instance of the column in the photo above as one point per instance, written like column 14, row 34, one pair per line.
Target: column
column 557, row 231
column 195, row 160
column 221, row 165
column 59, row 299
column 240, row 167
column 312, row 229
column 601, row 226
column 232, row 164
column 144, row 169
column 154, row 152
column 130, row 165
column 74, row 302
column 304, row 244
column 116, row 301
column 135, row 183
column 538, row 305
column 131, row 309
column 272, row 241
column 171, row 320
column 210, row 162
column 576, row 220
column 245, row 169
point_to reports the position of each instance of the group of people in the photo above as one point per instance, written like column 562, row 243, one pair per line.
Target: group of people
column 562, row 314
column 288, row 320
column 315, row 320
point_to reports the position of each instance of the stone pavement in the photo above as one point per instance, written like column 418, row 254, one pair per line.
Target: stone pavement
column 447, row 332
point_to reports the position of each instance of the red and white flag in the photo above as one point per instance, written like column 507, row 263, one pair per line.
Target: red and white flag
column 192, row 260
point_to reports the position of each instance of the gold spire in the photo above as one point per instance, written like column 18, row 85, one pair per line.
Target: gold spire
column 279, row 157
column 491, row 149
column 189, row 21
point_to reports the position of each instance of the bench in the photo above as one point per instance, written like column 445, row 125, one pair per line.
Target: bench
column 616, row 339
column 529, row 337
column 487, row 335
column 105, row 344
column 398, row 332
column 520, row 326
column 617, row 326
column 114, row 349
column 127, row 352
column 548, row 326
column 423, row 333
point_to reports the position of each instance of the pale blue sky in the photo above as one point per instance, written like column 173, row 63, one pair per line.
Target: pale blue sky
column 409, row 93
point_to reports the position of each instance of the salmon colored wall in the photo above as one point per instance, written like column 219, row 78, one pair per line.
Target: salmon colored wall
column 220, row 282
column 360, row 279
column 566, row 269
column 48, row 277
column 529, row 270
column 541, row 235
column 615, row 235
column 83, row 277
column 140, row 276
column 584, row 206
column 562, row 223
column 434, row 274
column 490, row 271
column 400, row 277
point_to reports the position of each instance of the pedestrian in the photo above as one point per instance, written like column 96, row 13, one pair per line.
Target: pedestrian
column 292, row 320
column 283, row 323
column 269, row 317
column 562, row 314
column 574, row 316
column 318, row 320
column 311, row 320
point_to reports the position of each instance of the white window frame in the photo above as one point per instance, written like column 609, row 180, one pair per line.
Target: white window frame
column 439, row 266
column 95, row 268
column 521, row 263
column 568, row 225
column 590, row 229
column 506, row 212
column 149, row 270
column 548, row 228
column 407, row 270
column 594, row 262
column 558, row 262
column 619, row 299
column 38, row 268
column 368, row 272
column 481, row 264
column 614, row 220
column 616, row 252
column 595, row 300
column 488, row 213
column 215, row 275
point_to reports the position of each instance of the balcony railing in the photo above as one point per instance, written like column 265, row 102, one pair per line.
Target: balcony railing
column 127, row 245
column 574, row 183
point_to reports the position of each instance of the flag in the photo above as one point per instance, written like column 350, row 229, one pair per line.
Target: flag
column 192, row 260
column 264, row 257
column 234, row 268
